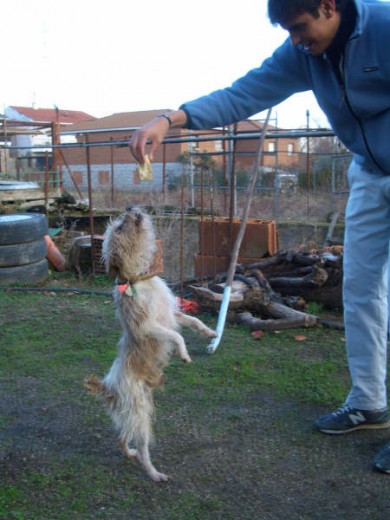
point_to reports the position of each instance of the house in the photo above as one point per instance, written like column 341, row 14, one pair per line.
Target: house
column 106, row 159
column 279, row 152
column 112, row 162
column 28, row 127
column 31, row 133
column 46, row 115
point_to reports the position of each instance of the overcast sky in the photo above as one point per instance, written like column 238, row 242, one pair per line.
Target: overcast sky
column 104, row 57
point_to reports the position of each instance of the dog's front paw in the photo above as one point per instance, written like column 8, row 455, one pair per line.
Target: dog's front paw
column 212, row 333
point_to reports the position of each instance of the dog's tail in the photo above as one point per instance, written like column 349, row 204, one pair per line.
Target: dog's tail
column 96, row 388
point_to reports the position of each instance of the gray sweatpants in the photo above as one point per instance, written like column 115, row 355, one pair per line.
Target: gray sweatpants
column 365, row 294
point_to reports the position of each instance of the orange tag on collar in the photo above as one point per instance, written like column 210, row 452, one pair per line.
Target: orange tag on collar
column 127, row 288
column 123, row 287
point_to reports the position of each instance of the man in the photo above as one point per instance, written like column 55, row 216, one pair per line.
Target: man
column 339, row 50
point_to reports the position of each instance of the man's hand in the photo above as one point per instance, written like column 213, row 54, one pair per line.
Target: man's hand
column 154, row 133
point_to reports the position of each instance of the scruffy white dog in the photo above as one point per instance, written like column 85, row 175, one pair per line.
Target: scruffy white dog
column 150, row 322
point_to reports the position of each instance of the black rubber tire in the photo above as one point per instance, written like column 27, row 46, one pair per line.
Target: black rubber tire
column 22, row 254
column 36, row 272
column 22, row 227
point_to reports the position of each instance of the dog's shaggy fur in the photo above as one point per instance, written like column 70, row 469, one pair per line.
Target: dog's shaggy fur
column 150, row 322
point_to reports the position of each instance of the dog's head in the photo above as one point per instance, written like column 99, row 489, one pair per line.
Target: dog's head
column 129, row 245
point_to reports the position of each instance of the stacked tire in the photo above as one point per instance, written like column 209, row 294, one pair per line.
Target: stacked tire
column 23, row 248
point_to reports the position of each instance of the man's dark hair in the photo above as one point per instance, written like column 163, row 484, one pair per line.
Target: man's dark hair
column 281, row 11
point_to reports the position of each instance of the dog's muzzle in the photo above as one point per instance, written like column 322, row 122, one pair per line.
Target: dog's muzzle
column 135, row 212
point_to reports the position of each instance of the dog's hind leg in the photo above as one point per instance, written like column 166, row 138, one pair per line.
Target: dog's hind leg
column 143, row 456
column 124, row 445
column 137, row 429
column 195, row 324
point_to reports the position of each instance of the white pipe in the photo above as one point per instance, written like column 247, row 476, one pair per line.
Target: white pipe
column 212, row 347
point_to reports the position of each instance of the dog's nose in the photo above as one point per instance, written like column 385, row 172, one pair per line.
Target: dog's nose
column 133, row 209
column 135, row 212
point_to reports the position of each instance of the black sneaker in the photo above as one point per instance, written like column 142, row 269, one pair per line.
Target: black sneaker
column 348, row 419
column 382, row 459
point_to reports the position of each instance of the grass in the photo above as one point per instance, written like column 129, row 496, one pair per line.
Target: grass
column 58, row 454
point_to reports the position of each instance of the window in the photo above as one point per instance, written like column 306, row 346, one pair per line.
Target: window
column 104, row 177
column 218, row 146
column 271, row 147
column 290, row 148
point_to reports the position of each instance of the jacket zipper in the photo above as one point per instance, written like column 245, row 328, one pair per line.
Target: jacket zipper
column 357, row 119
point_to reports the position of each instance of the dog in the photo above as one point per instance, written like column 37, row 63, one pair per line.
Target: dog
column 150, row 323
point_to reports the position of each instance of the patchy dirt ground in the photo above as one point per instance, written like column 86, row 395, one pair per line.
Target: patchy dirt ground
column 264, row 463
column 247, row 455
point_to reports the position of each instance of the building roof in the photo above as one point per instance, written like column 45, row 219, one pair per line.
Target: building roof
column 120, row 120
column 252, row 125
column 126, row 120
column 49, row 115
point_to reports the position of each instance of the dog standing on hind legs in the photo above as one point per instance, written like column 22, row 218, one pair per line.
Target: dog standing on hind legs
column 150, row 322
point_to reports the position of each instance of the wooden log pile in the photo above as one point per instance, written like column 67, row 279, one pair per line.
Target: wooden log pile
column 271, row 294
column 316, row 276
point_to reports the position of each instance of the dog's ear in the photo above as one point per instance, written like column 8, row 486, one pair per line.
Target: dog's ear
column 112, row 268
column 112, row 271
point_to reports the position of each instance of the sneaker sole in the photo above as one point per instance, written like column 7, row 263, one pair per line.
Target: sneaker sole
column 382, row 470
column 377, row 426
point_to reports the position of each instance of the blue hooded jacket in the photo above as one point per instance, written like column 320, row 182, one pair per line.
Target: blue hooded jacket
column 358, row 110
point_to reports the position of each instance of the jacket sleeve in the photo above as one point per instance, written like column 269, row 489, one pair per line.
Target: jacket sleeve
column 278, row 77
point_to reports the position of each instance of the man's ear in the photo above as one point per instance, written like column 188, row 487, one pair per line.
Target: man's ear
column 328, row 7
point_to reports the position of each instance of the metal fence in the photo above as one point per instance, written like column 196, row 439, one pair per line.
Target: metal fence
column 301, row 193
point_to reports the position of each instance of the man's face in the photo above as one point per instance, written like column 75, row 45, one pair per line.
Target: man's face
column 314, row 35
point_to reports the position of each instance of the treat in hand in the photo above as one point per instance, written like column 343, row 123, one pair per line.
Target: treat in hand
column 144, row 171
